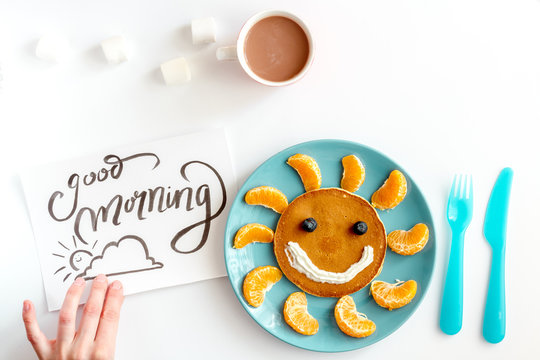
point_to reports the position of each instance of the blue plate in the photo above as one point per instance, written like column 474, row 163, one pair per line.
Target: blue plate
column 275, row 172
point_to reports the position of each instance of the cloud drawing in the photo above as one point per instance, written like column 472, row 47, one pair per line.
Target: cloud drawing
column 127, row 255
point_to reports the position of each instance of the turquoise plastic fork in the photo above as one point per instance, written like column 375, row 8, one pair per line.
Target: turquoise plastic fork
column 459, row 213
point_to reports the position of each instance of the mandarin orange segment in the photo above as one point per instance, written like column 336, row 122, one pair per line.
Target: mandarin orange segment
column 297, row 316
column 253, row 233
column 393, row 296
column 258, row 281
column 409, row 242
column 308, row 169
column 267, row 196
column 391, row 193
column 354, row 173
column 350, row 321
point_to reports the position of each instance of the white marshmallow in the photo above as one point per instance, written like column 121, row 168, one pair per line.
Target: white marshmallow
column 203, row 31
column 115, row 49
column 227, row 53
column 176, row 71
column 52, row 48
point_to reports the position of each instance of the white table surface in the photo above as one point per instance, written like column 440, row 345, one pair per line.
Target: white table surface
column 440, row 86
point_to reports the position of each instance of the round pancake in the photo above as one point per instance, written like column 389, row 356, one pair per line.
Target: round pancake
column 333, row 246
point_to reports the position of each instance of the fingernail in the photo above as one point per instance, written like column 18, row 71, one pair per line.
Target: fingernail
column 79, row 281
column 100, row 278
column 117, row 285
column 26, row 306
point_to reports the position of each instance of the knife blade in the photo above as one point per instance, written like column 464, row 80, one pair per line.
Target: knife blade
column 494, row 327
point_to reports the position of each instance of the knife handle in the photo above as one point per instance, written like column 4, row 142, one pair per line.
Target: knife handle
column 452, row 301
column 495, row 312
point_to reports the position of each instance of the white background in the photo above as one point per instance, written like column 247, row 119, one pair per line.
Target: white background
column 441, row 86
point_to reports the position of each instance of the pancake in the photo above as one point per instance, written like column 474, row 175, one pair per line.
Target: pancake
column 333, row 246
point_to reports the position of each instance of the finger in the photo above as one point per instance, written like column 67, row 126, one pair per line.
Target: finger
column 39, row 341
column 68, row 312
column 92, row 310
column 108, row 324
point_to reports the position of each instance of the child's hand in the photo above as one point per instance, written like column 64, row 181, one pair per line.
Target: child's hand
column 96, row 336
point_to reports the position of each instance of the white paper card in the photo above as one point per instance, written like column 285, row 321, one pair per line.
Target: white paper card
column 150, row 215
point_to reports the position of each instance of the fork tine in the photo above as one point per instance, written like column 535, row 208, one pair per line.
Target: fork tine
column 469, row 191
column 453, row 188
column 462, row 181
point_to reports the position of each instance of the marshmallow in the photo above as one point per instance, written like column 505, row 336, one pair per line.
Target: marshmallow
column 203, row 31
column 115, row 49
column 52, row 48
column 227, row 53
column 176, row 71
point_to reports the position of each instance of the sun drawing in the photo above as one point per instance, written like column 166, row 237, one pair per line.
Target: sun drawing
column 330, row 242
column 77, row 259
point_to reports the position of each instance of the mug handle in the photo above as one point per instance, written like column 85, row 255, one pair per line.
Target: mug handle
column 227, row 53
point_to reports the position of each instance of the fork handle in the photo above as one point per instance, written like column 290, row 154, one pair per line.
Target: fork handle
column 452, row 301
column 495, row 312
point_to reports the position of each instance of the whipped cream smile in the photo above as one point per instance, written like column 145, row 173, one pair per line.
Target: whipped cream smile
column 302, row 263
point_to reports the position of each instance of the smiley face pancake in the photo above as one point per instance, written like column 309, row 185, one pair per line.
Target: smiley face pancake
column 330, row 242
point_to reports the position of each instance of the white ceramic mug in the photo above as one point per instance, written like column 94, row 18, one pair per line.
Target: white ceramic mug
column 237, row 52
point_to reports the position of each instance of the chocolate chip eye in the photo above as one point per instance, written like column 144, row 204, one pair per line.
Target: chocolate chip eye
column 360, row 228
column 309, row 225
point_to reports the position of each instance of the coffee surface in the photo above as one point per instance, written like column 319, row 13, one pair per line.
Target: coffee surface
column 276, row 48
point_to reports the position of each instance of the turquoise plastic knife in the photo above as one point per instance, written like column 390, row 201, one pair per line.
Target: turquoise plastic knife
column 495, row 233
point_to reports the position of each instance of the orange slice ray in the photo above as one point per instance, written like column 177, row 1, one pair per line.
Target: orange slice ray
column 354, row 173
column 296, row 314
column 251, row 233
column 393, row 296
column 350, row 321
column 409, row 242
column 391, row 193
column 308, row 169
column 258, row 281
column 267, row 196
